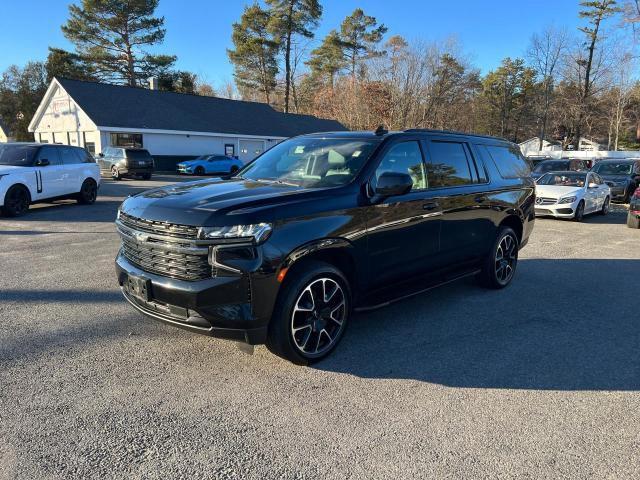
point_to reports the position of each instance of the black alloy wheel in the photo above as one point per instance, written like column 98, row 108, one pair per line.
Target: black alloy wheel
column 501, row 262
column 318, row 317
column 199, row 171
column 88, row 192
column 16, row 201
column 311, row 313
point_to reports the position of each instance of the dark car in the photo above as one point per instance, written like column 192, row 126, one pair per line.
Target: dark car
column 546, row 166
column 633, row 217
column 126, row 162
column 322, row 225
column 622, row 176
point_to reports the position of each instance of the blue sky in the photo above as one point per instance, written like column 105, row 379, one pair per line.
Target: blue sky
column 199, row 31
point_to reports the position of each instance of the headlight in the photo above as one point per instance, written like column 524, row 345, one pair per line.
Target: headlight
column 257, row 233
column 567, row 200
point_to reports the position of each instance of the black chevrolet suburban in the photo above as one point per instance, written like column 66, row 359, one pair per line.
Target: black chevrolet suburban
column 323, row 225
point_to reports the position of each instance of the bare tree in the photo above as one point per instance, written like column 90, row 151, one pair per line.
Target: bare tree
column 544, row 54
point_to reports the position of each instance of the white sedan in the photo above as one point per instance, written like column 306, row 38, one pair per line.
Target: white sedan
column 571, row 195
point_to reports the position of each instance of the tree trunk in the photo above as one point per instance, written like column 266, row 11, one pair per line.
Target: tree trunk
column 287, row 57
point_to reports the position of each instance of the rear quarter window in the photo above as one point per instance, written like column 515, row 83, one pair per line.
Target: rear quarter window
column 508, row 160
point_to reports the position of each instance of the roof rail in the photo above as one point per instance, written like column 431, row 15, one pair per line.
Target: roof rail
column 451, row 132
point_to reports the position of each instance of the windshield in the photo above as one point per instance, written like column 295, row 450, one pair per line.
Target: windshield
column 17, row 155
column 613, row 168
column 312, row 162
column 549, row 166
column 563, row 179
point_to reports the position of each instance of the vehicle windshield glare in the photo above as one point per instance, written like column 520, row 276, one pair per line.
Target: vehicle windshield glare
column 549, row 166
column 613, row 168
column 312, row 162
column 17, row 155
column 563, row 179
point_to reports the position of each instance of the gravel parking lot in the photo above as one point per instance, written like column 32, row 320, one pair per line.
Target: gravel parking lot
column 539, row 380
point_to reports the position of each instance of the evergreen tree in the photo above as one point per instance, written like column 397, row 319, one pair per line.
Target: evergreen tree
column 328, row 59
column 255, row 52
column 289, row 18
column 63, row 64
column 110, row 36
column 360, row 35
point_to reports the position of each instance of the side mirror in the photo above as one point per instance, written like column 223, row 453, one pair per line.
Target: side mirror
column 393, row 183
column 43, row 162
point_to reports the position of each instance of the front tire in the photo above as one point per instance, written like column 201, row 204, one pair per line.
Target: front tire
column 199, row 171
column 88, row 192
column 233, row 170
column 115, row 173
column 605, row 206
column 500, row 265
column 579, row 215
column 16, row 201
column 311, row 313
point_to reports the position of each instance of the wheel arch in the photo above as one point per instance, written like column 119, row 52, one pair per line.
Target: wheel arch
column 514, row 222
column 19, row 184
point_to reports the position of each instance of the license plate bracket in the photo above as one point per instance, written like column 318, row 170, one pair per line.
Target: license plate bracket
column 139, row 287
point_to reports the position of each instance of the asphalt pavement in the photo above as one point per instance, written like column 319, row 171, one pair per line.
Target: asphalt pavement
column 540, row 380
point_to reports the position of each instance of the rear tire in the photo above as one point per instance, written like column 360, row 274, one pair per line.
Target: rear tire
column 633, row 221
column 311, row 313
column 500, row 265
column 233, row 170
column 16, row 201
column 88, row 192
column 115, row 173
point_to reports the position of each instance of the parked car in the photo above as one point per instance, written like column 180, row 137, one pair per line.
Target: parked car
column 571, row 195
column 623, row 176
column 320, row 225
column 559, row 166
column 633, row 217
column 209, row 164
column 126, row 162
column 33, row 172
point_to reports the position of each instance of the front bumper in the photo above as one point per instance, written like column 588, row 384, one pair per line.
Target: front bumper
column 185, row 170
column 557, row 210
column 220, row 306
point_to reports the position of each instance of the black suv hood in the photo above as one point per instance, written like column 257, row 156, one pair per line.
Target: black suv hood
column 209, row 202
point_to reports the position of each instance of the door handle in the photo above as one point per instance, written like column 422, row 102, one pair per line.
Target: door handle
column 430, row 206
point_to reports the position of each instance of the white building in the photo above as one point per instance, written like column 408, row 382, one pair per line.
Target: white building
column 532, row 146
column 5, row 134
column 172, row 126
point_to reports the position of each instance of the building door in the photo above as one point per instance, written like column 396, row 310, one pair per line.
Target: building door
column 250, row 149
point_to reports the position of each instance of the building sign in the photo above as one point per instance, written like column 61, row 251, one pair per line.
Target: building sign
column 229, row 149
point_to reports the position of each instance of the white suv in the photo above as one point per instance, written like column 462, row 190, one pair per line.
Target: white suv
column 33, row 172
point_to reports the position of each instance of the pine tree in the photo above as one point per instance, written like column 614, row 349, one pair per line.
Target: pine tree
column 63, row 64
column 328, row 59
column 595, row 12
column 254, row 56
column 289, row 18
column 110, row 35
column 360, row 35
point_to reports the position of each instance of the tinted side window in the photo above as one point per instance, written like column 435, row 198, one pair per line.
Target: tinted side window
column 508, row 161
column 69, row 156
column 51, row 154
column 448, row 164
column 404, row 157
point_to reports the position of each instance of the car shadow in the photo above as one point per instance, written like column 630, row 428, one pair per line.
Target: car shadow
column 562, row 325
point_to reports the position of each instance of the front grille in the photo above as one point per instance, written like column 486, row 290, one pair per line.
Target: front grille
column 546, row 201
column 165, row 249
column 159, row 228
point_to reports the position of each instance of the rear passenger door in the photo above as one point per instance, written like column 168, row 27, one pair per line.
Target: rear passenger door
column 459, row 179
column 72, row 165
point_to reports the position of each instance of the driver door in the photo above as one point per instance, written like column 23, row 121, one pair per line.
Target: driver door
column 403, row 231
column 592, row 194
column 219, row 164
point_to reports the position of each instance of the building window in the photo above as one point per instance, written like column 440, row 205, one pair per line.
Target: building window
column 229, row 149
column 90, row 147
column 126, row 140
